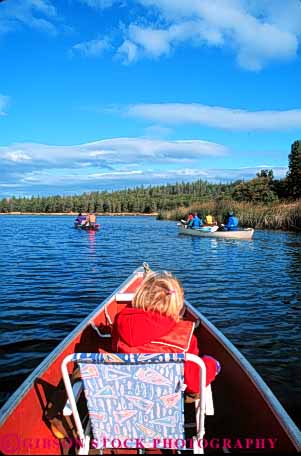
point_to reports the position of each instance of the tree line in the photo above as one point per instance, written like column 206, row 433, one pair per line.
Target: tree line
column 264, row 188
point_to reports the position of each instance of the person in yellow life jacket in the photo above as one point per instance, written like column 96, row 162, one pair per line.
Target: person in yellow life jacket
column 208, row 219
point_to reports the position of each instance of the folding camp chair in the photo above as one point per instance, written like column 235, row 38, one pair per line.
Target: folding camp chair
column 134, row 400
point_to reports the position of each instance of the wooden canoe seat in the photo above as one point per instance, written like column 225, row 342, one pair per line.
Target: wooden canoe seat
column 124, row 297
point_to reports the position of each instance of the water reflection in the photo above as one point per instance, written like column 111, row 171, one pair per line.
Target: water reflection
column 293, row 252
column 293, row 248
column 92, row 242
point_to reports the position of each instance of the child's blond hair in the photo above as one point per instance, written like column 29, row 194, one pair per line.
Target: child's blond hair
column 160, row 292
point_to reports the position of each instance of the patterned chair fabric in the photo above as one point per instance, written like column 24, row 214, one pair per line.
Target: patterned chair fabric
column 134, row 396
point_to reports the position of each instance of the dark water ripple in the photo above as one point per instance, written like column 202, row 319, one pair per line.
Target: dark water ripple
column 52, row 276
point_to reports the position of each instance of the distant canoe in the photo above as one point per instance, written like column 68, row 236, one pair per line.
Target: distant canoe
column 246, row 233
column 86, row 228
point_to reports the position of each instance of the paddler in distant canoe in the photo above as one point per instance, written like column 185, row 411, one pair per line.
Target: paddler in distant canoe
column 210, row 224
column 197, row 222
column 232, row 222
column 209, row 221
column 80, row 219
column 187, row 222
column 91, row 220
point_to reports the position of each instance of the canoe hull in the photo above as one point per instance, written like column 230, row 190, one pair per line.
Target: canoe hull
column 246, row 234
column 86, row 228
column 245, row 408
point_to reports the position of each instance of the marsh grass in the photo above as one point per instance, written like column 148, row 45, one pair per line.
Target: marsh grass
column 276, row 216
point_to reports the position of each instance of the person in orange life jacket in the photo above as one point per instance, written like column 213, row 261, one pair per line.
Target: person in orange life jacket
column 153, row 325
column 186, row 223
column 90, row 219
column 189, row 220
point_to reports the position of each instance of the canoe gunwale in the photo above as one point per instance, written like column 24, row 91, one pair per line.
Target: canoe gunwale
column 266, row 393
column 21, row 391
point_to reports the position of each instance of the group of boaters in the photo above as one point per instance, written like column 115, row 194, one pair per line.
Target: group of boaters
column 86, row 220
column 195, row 221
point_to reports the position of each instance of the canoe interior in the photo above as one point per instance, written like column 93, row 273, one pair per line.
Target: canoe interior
column 244, row 409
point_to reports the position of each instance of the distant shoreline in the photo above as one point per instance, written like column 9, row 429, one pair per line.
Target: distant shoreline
column 74, row 214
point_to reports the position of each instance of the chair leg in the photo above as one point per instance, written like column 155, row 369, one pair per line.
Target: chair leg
column 196, row 448
column 200, row 428
column 84, row 449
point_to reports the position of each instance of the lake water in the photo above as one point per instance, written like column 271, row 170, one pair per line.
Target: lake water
column 52, row 276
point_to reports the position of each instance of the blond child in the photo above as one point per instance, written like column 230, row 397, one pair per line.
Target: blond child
column 153, row 324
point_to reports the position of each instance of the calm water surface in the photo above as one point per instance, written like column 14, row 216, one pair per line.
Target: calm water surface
column 52, row 276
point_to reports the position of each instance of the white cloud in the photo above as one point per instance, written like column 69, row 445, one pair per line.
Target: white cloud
column 129, row 51
column 110, row 152
column 66, row 177
column 3, row 104
column 155, row 42
column 257, row 32
column 217, row 117
column 68, row 181
column 245, row 173
column 123, row 161
column 38, row 14
column 92, row 48
column 113, row 163
column 214, row 174
column 10, row 185
column 284, row 15
column 17, row 156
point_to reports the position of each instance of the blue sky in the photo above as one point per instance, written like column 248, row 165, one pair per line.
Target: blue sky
column 106, row 94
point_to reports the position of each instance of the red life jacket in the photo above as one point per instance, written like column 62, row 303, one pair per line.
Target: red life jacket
column 138, row 331
column 176, row 341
